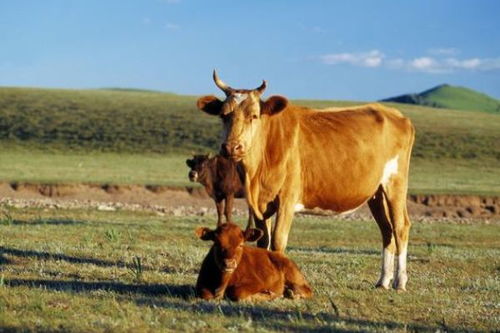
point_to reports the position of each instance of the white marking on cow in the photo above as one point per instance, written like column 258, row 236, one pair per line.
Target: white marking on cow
column 401, row 277
column 387, row 269
column 239, row 97
column 390, row 168
column 298, row 207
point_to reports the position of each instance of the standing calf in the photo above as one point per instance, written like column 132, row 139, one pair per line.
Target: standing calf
column 221, row 178
column 242, row 272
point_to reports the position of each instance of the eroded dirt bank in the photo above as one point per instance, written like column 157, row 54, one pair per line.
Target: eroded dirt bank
column 193, row 200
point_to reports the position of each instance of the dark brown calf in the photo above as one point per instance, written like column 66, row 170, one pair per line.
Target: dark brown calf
column 241, row 272
column 221, row 178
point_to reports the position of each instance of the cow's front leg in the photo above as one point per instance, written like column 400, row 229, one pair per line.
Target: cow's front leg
column 229, row 207
column 283, row 225
column 265, row 226
column 250, row 223
column 219, row 205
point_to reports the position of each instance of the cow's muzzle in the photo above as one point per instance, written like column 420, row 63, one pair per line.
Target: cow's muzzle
column 230, row 265
column 193, row 176
column 233, row 150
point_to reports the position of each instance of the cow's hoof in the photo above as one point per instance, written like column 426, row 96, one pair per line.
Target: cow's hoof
column 380, row 285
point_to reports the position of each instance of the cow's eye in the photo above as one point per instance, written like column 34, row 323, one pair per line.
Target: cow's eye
column 254, row 116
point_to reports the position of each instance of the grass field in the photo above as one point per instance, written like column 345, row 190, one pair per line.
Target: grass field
column 152, row 122
column 77, row 270
column 427, row 176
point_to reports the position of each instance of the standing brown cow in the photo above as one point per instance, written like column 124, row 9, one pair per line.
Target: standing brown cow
column 222, row 179
column 296, row 157
column 242, row 272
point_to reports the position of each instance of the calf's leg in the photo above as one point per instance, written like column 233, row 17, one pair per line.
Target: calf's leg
column 229, row 207
column 220, row 208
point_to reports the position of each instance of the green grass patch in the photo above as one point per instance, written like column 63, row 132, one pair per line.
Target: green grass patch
column 78, row 270
column 21, row 165
column 94, row 167
column 153, row 122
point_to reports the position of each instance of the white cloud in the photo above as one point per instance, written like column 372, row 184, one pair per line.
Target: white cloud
column 172, row 26
column 318, row 29
column 366, row 59
column 425, row 64
column 449, row 51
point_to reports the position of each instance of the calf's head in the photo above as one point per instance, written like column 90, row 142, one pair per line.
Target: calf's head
column 242, row 114
column 198, row 165
column 228, row 241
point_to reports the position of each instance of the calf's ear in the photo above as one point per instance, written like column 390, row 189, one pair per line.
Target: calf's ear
column 189, row 163
column 209, row 104
column 204, row 233
column 252, row 234
column 275, row 104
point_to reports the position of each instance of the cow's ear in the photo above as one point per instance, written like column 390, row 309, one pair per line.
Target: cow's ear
column 252, row 234
column 209, row 104
column 273, row 105
column 204, row 233
column 189, row 163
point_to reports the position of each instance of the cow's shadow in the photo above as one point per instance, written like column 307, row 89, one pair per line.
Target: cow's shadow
column 69, row 222
column 288, row 320
column 181, row 298
column 334, row 250
column 177, row 291
column 42, row 255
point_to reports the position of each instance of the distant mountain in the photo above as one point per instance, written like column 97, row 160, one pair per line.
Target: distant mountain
column 451, row 97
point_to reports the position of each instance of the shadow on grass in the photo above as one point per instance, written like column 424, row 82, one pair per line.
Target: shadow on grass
column 290, row 320
column 71, row 259
column 76, row 260
column 177, row 291
column 287, row 320
column 338, row 250
column 48, row 222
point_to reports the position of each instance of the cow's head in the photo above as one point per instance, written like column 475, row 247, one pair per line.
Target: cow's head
column 228, row 241
column 242, row 113
column 199, row 167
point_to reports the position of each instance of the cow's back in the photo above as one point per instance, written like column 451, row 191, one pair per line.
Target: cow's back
column 342, row 154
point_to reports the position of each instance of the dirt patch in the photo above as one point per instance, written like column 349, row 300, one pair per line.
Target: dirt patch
column 193, row 200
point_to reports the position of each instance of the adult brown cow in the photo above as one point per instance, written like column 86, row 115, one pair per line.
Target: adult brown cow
column 296, row 157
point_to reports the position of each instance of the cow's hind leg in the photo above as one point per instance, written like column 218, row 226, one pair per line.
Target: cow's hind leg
column 395, row 192
column 380, row 212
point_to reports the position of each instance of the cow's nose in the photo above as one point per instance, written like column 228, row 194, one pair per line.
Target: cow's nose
column 237, row 148
column 230, row 263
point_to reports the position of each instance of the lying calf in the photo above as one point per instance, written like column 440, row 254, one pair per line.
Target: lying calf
column 242, row 272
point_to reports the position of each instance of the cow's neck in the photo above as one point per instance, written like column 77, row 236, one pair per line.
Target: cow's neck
column 270, row 152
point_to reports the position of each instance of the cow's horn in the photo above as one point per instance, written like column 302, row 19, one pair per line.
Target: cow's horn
column 224, row 87
column 262, row 87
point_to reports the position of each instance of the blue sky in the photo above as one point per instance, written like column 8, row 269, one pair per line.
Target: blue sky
column 349, row 50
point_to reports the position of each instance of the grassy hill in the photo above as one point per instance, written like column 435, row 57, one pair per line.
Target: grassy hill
column 104, row 120
column 153, row 122
column 142, row 137
column 451, row 97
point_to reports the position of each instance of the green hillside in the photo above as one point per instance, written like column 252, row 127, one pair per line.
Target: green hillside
column 105, row 120
column 153, row 122
column 451, row 97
